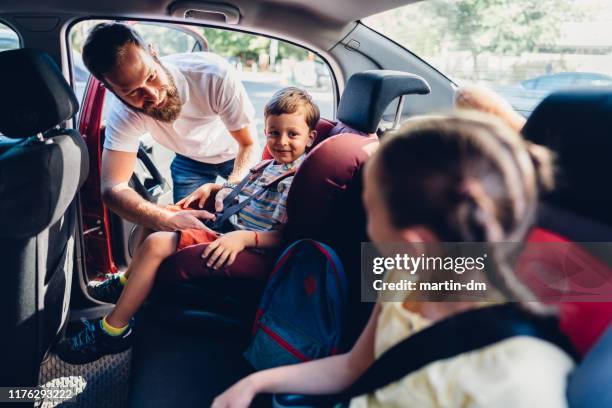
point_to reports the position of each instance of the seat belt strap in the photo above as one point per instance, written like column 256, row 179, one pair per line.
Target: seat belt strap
column 229, row 208
column 460, row 334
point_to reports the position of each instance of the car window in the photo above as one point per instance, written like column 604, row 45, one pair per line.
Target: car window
column 168, row 39
column 555, row 81
column 523, row 49
column 9, row 40
column 265, row 65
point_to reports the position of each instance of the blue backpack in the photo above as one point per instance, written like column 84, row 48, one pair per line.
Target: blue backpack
column 302, row 310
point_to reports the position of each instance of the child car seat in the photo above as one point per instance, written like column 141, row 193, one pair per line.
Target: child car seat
column 324, row 201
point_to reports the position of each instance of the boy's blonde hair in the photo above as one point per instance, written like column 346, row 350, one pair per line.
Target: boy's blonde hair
column 290, row 100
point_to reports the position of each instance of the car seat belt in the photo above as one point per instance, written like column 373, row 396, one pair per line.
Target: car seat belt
column 229, row 208
column 460, row 334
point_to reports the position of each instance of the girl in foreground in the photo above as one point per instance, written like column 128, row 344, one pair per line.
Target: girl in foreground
column 461, row 178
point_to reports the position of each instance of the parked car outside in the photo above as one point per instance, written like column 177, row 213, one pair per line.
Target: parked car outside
column 525, row 95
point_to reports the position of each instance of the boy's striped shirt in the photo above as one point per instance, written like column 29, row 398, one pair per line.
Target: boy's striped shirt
column 267, row 211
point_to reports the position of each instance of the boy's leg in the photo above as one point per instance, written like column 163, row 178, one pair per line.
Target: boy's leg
column 188, row 265
column 137, row 237
column 99, row 337
column 110, row 289
column 141, row 272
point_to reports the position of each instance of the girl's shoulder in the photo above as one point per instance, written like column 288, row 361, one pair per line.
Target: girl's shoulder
column 517, row 372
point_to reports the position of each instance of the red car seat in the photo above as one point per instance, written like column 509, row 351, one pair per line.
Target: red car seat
column 324, row 201
column 576, row 125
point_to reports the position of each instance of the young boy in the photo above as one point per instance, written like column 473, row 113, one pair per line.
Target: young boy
column 290, row 120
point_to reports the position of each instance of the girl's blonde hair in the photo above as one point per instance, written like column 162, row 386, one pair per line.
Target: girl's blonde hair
column 469, row 178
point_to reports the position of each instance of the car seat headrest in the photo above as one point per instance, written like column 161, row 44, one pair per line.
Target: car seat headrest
column 577, row 126
column 36, row 96
column 367, row 95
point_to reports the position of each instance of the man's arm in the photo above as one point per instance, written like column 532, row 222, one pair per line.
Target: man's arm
column 247, row 149
column 117, row 169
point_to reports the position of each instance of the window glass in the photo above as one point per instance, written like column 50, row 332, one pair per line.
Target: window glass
column 265, row 65
column 8, row 41
column 8, row 38
column 523, row 49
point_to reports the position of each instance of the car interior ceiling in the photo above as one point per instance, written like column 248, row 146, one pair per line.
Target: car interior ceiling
column 186, row 329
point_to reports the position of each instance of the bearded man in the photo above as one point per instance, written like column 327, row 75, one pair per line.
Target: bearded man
column 193, row 104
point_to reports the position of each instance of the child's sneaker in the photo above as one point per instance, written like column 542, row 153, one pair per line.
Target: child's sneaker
column 108, row 290
column 93, row 342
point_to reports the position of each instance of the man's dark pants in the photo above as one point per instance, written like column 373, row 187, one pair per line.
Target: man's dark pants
column 189, row 174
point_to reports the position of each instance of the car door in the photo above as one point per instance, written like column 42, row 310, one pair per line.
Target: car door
column 107, row 237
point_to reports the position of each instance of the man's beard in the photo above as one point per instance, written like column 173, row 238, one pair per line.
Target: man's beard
column 171, row 108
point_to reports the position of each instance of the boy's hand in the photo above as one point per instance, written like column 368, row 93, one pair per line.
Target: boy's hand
column 200, row 195
column 224, row 250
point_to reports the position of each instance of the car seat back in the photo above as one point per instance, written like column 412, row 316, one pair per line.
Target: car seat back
column 576, row 126
column 589, row 384
column 324, row 201
column 41, row 169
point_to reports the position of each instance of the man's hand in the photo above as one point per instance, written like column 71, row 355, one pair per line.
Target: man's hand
column 224, row 250
column 221, row 194
column 201, row 194
column 189, row 219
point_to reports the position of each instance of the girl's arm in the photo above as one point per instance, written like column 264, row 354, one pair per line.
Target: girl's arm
column 326, row 376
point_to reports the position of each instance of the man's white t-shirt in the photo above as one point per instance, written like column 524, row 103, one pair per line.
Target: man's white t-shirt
column 214, row 102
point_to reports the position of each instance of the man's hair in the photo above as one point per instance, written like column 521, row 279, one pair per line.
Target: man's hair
column 105, row 44
column 290, row 100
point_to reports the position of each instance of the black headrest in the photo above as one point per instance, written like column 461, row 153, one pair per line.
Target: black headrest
column 367, row 95
column 35, row 94
column 577, row 125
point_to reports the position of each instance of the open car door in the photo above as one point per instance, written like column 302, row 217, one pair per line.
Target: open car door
column 108, row 237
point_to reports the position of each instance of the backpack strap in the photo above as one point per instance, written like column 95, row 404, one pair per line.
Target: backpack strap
column 460, row 334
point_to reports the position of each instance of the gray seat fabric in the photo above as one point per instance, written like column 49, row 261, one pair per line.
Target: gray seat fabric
column 41, row 170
